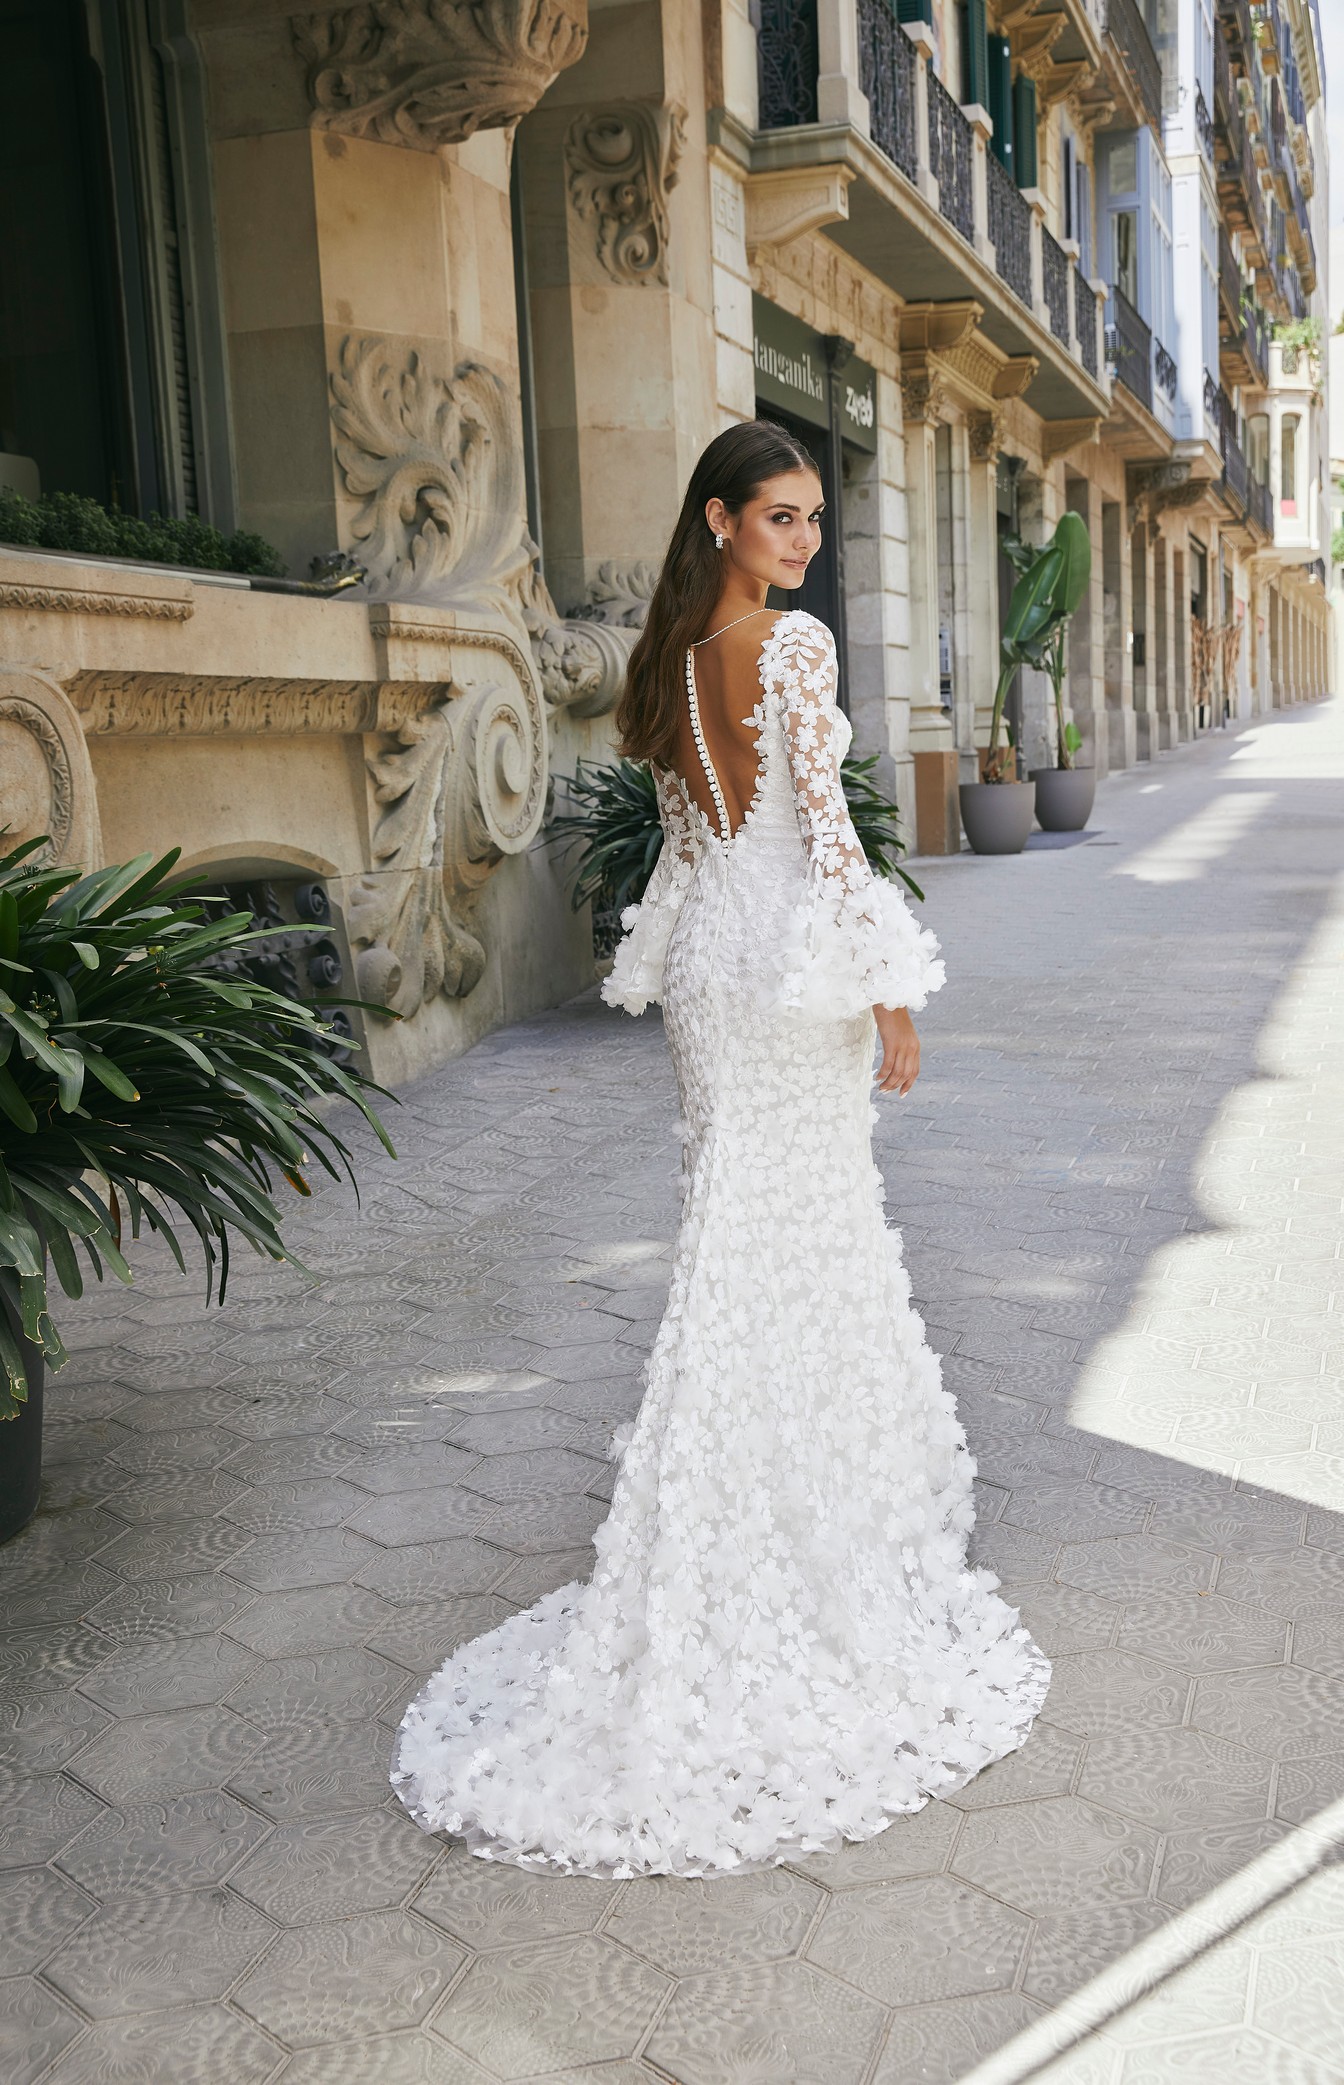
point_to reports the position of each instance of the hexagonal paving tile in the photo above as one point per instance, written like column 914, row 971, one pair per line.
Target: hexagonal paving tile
column 38, row 1910
column 40, row 1733
column 689, row 1927
column 938, row 2044
column 39, row 1814
column 149, row 1849
column 1076, row 1512
column 1097, row 1692
column 187, row 1674
column 901, row 1942
column 1278, row 1711
column 580, row 1999
column 432, row 1513
column 491, row 1904
column 414, row 2058
column 175, row 1549
column 774, row 2021
column 1062, row 1619
column 313, row 1618
column 1130, row 1567
column 196, row 2046
column 285, row 1506
column 41, row 1661
column 316, row 1770
column 146, row 1757
column 1236, row 2056
column 165, row 1610
column 145, row 1953
column 62, row 1592
column 313, row 1557
column 34, row 2027
column 1046, row 1857
column 915, row 1845
column 340, row 1686
column 1197, row 1860
column 1176, row 1779
column 1308, row 1785
column 368, row 1975
column 1072, row 1947
column 313, row 1870
column 433, row 1570
column 533, row 1474
column 1045, row 1765
column 1202, row 1633
column 1231, row 1526
column 531, row 1528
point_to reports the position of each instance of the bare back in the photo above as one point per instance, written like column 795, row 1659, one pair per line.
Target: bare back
column 728, row 688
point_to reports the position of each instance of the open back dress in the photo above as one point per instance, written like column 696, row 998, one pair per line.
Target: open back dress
column 782, row 1645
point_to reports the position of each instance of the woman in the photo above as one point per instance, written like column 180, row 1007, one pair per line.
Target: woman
column 781, row 1646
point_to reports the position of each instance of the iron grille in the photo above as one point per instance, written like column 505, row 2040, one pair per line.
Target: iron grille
column 1009, row 229
column 786, row 62
column 1055, row 283
column 950, row 150
column 1085, row 321
column 887, row 74
column 1129, row 345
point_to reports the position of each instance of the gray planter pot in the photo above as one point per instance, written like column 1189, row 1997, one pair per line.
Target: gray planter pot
column 997, row 815
column 1064, row 797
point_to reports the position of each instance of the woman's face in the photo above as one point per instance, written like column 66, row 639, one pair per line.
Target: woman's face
column 778, row 533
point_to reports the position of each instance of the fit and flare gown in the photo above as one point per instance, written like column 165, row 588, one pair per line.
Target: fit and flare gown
column 782, row 1645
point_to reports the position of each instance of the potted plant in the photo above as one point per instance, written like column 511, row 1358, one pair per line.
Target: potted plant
column 997, row 811
column 614, row 827
column 137, row 1084
column 1065, row 793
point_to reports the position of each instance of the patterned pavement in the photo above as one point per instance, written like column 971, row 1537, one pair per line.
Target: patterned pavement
column 1120, row 1186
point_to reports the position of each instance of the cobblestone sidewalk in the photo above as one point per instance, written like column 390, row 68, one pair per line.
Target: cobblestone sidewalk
column 1120, row 1186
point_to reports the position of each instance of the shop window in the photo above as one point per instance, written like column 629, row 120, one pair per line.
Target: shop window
column 1288, row 446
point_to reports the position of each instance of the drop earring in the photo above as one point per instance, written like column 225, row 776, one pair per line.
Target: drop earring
column 718, row 542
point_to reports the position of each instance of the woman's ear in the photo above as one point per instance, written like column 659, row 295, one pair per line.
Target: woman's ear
column 717, row 515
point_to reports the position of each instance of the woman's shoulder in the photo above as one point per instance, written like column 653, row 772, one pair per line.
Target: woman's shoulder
column 795, row 628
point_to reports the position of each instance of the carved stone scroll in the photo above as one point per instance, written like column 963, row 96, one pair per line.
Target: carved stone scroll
column 71, row 600
column 433, row 461
column 623, row 161
column 46, row 782
column 427, row 73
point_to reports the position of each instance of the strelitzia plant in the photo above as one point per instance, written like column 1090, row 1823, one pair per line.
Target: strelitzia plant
column 1052, row 580
column 138, row 1086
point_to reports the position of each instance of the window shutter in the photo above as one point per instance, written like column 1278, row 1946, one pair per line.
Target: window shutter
column 1083, row 217
column 975, row 70
column 1000, row 102
column 1024, row 131
column 915, row 11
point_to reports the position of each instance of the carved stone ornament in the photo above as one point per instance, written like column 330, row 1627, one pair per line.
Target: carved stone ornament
column 426, row 73
column 72, row 600
column 922, row 394
column 435, row 466
column 622, row 164
column 46, row 782
column 455, row 789
column 438, row 474
column 620, row 594
column 985, row 434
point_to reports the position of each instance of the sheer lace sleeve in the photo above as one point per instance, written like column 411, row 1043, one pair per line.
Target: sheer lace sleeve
column 854, row 942
column 636, row 974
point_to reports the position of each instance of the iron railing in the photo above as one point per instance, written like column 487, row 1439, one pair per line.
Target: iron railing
column 1255, row 340
column 1129, row 344
column 1236, row 476
column 1203, row 125
column 951, row 157
column 1130, row 32
column 1164, row 371
column 1009, row 226
column 1055, row 284
column 786, row 63
column 1229, row 278
column 1085, row 321
column 887, row 64
column 1211, row 398
column 1260, row 507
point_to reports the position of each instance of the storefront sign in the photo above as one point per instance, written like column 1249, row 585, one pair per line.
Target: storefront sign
column 792, row 375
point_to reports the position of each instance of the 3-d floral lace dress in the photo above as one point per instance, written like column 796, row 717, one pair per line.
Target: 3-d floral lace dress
column 782, row 1645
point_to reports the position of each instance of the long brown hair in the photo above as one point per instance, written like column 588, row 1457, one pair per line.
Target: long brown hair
column 733, row 468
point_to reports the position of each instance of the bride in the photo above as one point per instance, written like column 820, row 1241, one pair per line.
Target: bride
column 782, row 1645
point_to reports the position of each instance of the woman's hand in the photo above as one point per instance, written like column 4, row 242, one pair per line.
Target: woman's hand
column 900, row 1050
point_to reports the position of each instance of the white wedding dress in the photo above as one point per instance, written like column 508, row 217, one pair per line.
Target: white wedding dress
column 782, row 1645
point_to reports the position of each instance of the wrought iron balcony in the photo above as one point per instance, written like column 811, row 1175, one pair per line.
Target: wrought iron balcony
column 1204, row 125
column 1164, row 372
column 1010, row 230
column 951, row 158
column 1085, row 320
column 1229, row 281
column 1129, row 344
column 1236, row 476
column 786, row 63
column 1212, row 394
column 887, row 65
column 1055, row 284
column 1260, row 508
column 1127, row 26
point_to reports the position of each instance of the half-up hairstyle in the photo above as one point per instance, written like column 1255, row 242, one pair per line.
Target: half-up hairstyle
column 733, row 469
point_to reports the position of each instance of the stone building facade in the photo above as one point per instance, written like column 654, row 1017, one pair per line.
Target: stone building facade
column 450, row 293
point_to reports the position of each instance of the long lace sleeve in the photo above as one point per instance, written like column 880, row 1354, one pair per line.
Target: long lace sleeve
column 853, row 943
column 636, row 974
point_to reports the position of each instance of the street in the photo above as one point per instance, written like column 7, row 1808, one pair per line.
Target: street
column 1119, row 1182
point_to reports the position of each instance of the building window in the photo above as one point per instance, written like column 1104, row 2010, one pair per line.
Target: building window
column 1288, row 446
column 111, row 344
column 1125, row 231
